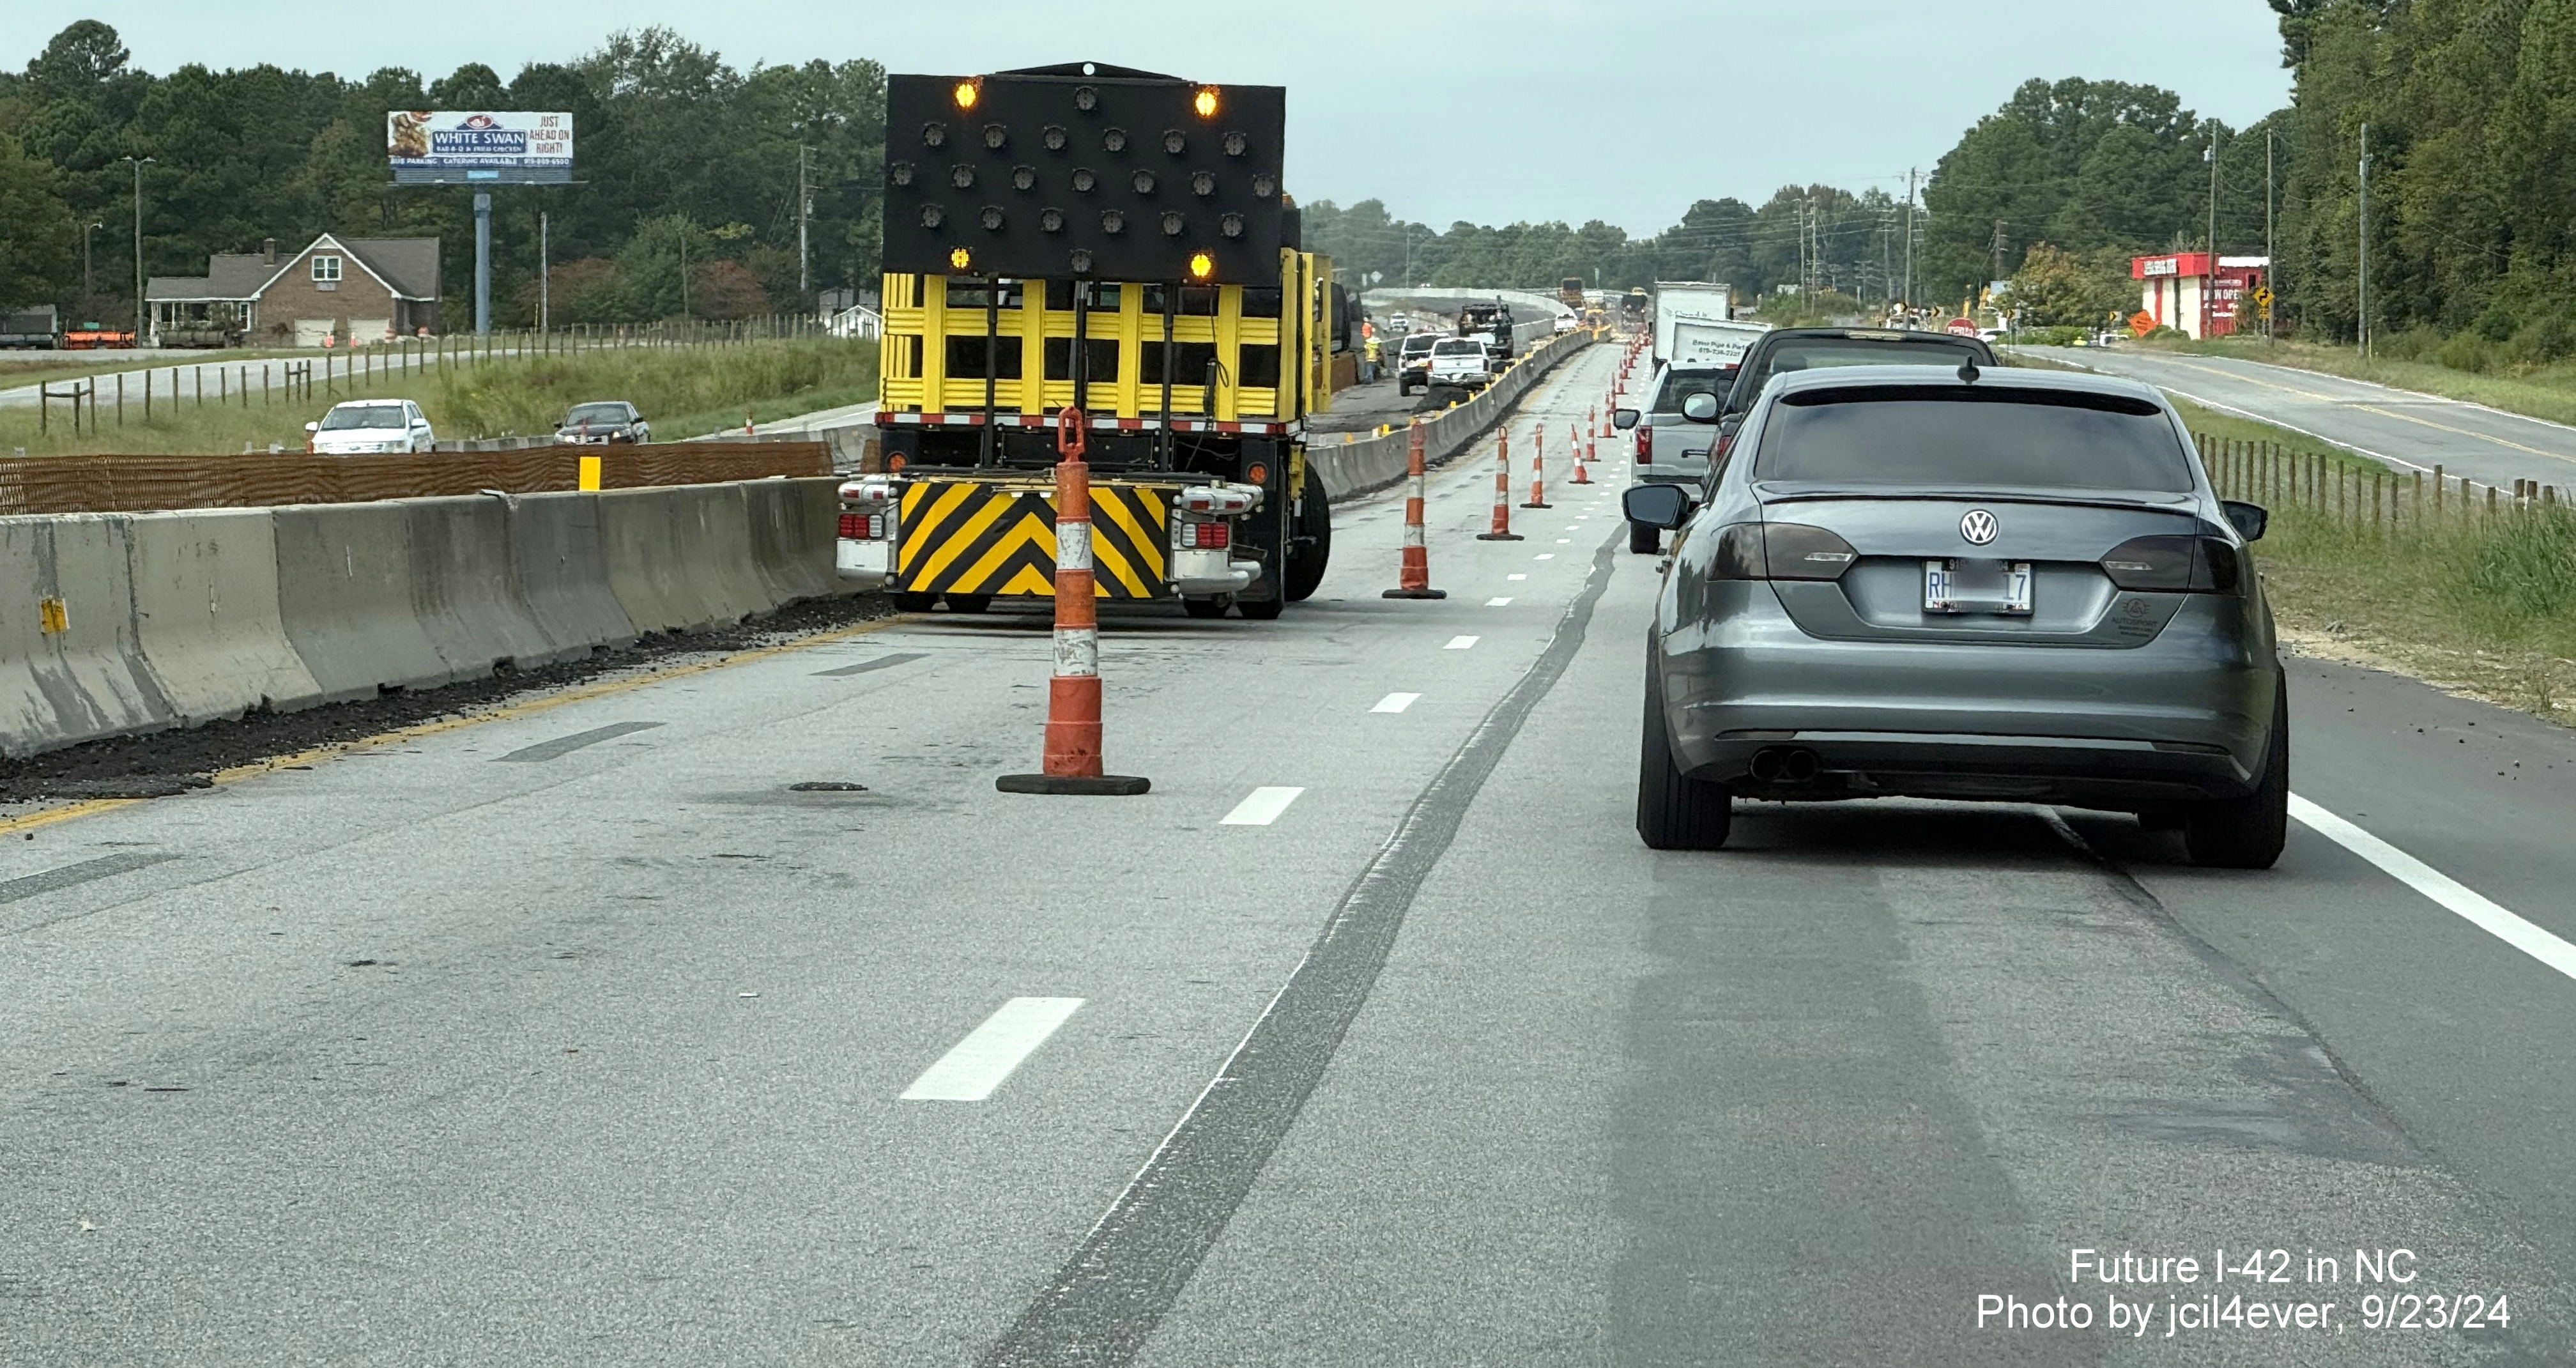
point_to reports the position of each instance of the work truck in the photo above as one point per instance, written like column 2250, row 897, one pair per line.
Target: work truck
column 1111, row 249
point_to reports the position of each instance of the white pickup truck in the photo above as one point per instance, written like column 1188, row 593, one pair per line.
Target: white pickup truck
column 1460, row 361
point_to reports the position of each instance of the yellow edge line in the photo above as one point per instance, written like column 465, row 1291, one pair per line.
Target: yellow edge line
column 527, row 708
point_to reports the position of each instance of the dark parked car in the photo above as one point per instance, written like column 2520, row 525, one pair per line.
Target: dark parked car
column 610, row 421
column 1779, row 352
column 1963, row 583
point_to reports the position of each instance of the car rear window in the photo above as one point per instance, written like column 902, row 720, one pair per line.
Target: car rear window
column 1681, row 385
column 347, row 417
column 1955, row 436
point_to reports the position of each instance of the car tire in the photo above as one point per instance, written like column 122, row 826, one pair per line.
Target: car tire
column 1644, row 540
column 1312, row 525
column 968, row 603
column 1674, row 811
column 2248, row 832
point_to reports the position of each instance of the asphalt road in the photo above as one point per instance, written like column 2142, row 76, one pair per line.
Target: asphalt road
column 1370, row 1036
column 2402, row 427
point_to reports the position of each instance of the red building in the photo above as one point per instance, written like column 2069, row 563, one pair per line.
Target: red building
column 2178, row 290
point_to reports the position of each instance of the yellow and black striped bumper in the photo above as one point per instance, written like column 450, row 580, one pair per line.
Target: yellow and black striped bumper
column 998, row 537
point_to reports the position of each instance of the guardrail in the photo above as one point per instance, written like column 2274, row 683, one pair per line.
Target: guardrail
column 130, row 484
column 1360, row 465
column 124, row 623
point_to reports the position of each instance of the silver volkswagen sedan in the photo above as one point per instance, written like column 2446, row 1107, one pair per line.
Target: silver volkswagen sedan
column 1988, row 584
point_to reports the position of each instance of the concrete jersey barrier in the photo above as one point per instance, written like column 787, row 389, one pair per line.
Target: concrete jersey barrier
column 129, row 622
column 1375, row 462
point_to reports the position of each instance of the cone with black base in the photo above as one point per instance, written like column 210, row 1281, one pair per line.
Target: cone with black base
column 1413, row 573
column 1072, row 763
column 1502, row 529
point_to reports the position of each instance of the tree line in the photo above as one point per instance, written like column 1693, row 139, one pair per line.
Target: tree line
column 679, row 155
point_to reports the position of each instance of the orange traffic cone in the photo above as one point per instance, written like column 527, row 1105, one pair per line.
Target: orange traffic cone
column 1502, row 530
column 1413, row 575
column 1072, row 763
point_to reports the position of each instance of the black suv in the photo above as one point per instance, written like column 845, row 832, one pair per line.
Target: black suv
column 1795, row 349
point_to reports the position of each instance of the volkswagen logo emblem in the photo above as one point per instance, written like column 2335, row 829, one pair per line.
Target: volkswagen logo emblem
column 1978, row 527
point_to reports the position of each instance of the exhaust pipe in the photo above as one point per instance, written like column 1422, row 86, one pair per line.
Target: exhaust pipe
column 1773, row 765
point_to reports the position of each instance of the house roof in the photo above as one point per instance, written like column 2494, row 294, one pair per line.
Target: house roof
column 407, row 266
column 227, row 277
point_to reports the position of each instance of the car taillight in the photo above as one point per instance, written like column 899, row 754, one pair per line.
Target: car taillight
column 1779, row 551
column 1645, row 443
column 2176, row 565
column 864, row 526
column 1206, row 536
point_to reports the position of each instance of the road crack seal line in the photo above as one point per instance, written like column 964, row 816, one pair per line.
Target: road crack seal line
column 1106, row 1300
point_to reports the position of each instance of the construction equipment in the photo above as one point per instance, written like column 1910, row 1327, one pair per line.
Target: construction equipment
column 1117, row 242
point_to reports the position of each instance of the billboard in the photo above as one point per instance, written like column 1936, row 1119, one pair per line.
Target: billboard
column 1102, row 173
column 466, row 145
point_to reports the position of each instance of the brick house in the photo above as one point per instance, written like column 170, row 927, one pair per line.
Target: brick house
column 347, row 290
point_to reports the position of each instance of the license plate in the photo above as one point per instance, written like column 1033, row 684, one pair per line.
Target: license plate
column 1964, row 585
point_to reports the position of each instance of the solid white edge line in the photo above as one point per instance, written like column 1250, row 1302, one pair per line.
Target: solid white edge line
column 1395, row 702
column 976, row 1065
column 1261, row 807
column 1462, row 643
column 2470, row 905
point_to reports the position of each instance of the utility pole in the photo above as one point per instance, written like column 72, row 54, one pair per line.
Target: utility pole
column 482, row 261
column 1909, row 237
column 89, row 289
column 2361, row 275
column 2209, row 283
column 139, row 163
column 545, row 273
column 2271, row 268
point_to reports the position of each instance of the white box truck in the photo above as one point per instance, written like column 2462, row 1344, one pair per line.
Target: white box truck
column 1693, row 329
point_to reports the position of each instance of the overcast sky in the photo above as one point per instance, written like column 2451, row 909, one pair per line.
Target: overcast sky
column 1491, row 110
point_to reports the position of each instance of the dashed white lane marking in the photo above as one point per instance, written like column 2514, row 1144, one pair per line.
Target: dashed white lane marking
column 1547, row 555
column 975, row 1066
column 1461, row 643
column 1262, row 807
column 1395, row 703
column 2453, row 895
column 1514, row 577
column 1497, row 602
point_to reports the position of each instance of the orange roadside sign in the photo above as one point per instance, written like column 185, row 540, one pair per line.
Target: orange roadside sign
column 2141, row 323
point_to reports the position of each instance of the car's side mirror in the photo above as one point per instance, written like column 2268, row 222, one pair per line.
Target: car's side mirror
column 1656, row 505
column 1623, row 419
column 1700, row 408
column 2249, row 520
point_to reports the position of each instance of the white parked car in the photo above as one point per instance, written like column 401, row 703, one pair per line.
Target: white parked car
column 370, row 425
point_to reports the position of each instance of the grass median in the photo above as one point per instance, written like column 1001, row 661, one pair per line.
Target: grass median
column 684, row 391
column 2462, row 586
